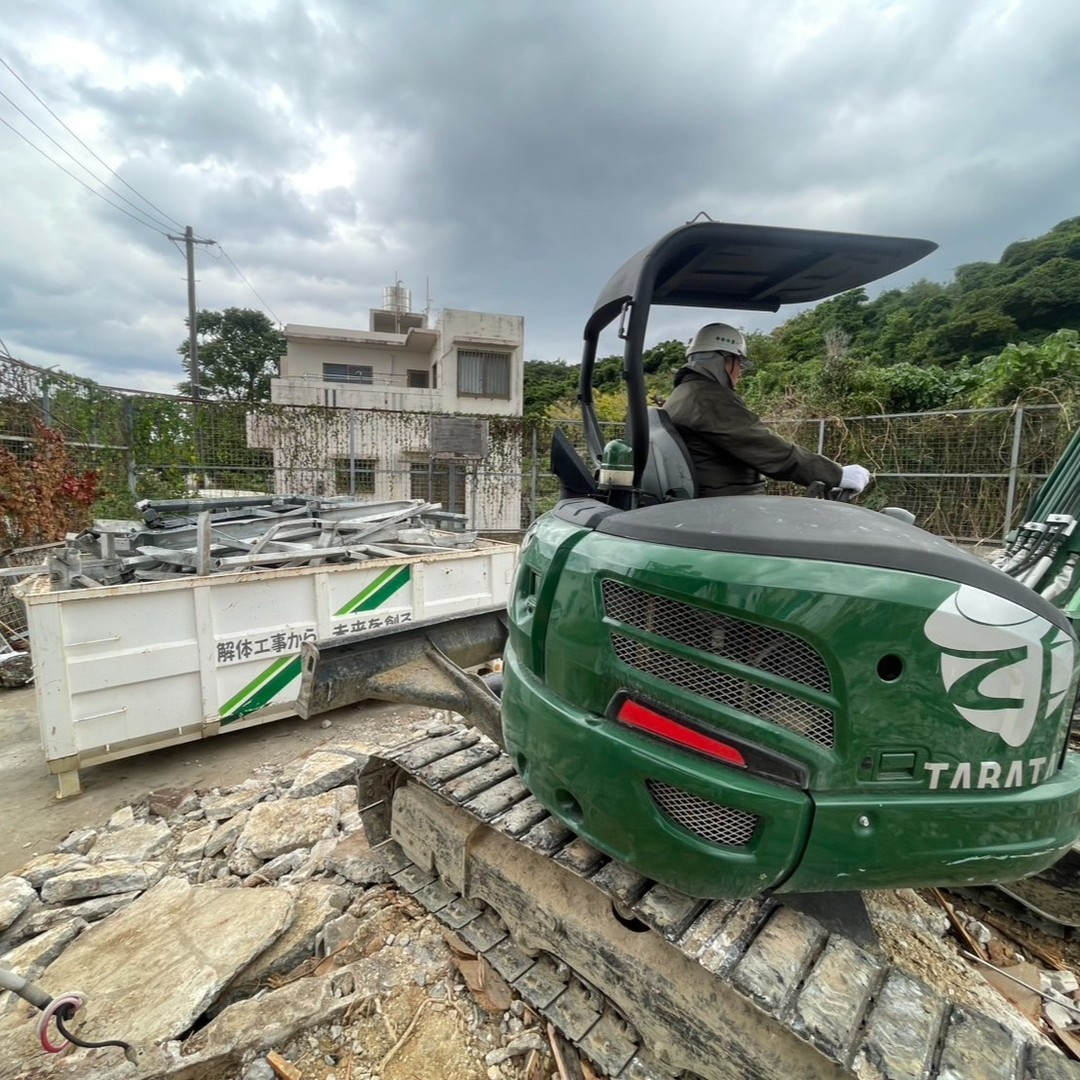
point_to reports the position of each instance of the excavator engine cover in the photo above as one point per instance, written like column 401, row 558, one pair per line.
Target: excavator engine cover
column 782, row 694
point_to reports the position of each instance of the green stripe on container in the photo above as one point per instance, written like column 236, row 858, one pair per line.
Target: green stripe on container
column 263, row 690
column 378, row 592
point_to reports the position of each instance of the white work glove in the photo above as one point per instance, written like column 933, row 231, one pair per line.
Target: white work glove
column 855, row 478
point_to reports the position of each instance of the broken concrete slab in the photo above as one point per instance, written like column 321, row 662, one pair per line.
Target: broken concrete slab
column 152, row 969
column 39, row 917
column 169, row 801
column 123, row 818
column 16, row 894
column 79, row 841
column 274, row 828
column 32, row 957
column 315, row 863
column 315, row 904
column 338, row 933
column 323, row 770
column 353, row 858
column 222, row 807
column 269, row 872
column 191, row 844
column 243, row 863
column 274, row 1018
column 137, row 844
column 103, row 880
column 225, row 834
column 38, row 870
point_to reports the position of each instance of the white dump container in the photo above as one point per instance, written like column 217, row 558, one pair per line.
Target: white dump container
column 124, row 669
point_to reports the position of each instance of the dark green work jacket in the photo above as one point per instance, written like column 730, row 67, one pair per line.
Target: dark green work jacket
column 731, row 447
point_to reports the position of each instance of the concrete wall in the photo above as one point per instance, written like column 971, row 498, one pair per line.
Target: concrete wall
column 487, row 333
column 387, row 422
column 392, row 356
column 313, row 459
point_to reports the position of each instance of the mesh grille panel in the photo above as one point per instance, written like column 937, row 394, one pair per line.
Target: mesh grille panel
column 712, row 822
column 810, row 721
column 746, row 643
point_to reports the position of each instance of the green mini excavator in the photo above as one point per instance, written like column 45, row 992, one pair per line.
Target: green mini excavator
column 775, row 693
column 753, row 694
column 716, row 715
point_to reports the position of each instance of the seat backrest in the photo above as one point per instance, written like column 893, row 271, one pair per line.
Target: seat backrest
column 575, row 478
column 669, row 471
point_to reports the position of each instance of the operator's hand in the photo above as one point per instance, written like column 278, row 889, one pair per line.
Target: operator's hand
column 855, row 478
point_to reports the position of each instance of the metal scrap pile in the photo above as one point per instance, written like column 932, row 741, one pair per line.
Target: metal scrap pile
column 183, row 537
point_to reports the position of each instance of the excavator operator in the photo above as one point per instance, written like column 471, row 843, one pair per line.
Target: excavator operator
column 730, row 447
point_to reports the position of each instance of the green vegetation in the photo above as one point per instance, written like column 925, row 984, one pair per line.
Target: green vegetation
column 997, row 334
column 238, row 349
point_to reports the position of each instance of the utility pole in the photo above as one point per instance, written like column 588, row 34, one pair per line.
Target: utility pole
column 193, row 329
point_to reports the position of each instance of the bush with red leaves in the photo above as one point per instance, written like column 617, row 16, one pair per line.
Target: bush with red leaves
column 43, row 497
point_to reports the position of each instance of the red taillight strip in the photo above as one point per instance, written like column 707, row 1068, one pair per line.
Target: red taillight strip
column 640, row 716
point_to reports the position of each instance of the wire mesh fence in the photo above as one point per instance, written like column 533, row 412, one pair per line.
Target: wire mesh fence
column 967, row 475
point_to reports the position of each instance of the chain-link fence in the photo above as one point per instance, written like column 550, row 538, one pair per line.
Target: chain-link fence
column 967, row 475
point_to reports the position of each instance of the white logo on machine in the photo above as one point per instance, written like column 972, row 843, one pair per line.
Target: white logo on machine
column 1000, row 662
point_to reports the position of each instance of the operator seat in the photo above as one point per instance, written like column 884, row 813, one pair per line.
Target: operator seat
column 669, row 471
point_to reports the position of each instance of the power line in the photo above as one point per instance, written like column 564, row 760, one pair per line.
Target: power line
column 86, row 169
column 105, row 184
column 248, row 284
column 53, row 161
column 30, row 90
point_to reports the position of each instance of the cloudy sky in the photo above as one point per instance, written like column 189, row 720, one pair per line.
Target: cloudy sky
column 500, row 155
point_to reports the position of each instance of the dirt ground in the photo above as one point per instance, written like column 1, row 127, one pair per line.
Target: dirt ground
column 35, row 821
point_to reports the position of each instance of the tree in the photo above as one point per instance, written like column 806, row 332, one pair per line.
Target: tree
column 238, row 353
column 1050, row 370
column 547, row 381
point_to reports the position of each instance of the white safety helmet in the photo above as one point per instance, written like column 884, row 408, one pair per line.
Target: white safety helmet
column 718, row 337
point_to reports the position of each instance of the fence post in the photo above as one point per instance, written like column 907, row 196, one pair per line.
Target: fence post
column 533, row 478
column 46, row 405
column 352, row 452
column 821, row 436
column 129, row 435
column 1014, row 463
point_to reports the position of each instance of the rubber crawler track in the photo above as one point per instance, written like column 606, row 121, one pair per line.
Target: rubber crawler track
column 866, row 1017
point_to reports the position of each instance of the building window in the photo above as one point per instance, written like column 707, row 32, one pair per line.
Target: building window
column 354, row 476
column 418, row 380
column 438, row 482
column 358, row 373
column 483, row 374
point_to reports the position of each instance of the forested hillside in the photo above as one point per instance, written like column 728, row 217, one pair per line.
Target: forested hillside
column 996, row 333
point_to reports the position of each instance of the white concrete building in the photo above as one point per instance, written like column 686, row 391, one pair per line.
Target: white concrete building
column 410, row 404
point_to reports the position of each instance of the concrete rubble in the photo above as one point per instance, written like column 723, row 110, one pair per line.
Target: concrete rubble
column 210, row 929
column 16, row 668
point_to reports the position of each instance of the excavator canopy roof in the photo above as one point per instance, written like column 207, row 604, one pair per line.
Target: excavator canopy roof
column 714, row 264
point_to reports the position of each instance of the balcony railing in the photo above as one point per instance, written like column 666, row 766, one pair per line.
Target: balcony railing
column 383, row 391
column 377, row 378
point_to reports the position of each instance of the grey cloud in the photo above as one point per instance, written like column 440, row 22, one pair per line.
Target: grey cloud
column 214, row 121
column 516, row 153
